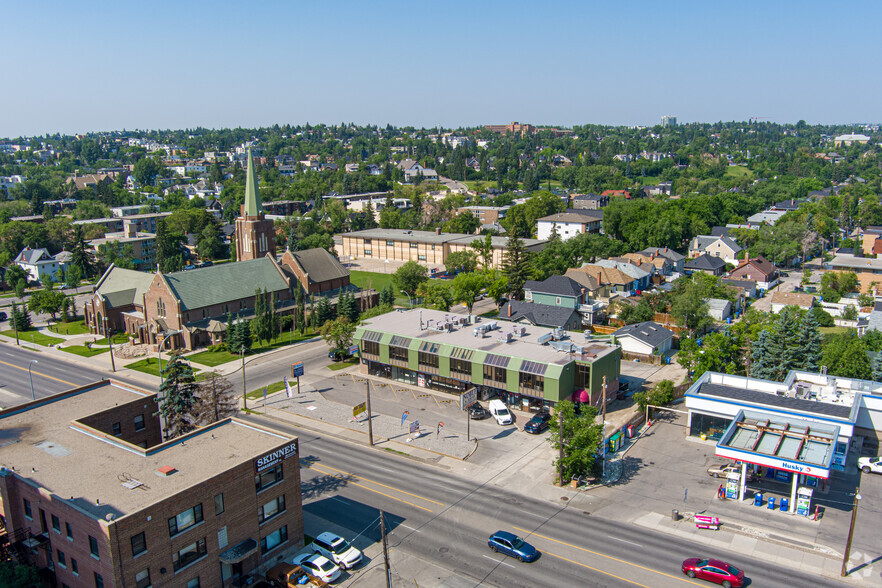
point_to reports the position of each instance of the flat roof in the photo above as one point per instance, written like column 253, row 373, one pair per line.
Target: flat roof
column 757, row 397
column 44, row 445
column 432, row 237
column 407, row 324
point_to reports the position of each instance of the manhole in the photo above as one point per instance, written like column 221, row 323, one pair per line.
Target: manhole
column 585, row 512
column 564, row 498
column 443, row 549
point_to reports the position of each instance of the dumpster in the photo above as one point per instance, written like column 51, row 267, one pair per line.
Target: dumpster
column 771, row 503
column 785, row 503
column 758, row 499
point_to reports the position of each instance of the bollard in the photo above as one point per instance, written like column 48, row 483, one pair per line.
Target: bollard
column 675, row 515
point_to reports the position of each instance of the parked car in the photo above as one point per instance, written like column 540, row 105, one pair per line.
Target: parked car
column 500, row 412
column 714, row 570
column 2, row 316
column 538, row 423
column 339, row 354
column 512, row 545
column 318, row 565
column 337, row 549
column 478, row 412
column 722, row 471
column 285, row 575
column 870, row 464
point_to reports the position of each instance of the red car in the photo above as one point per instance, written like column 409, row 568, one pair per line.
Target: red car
column 714, row 570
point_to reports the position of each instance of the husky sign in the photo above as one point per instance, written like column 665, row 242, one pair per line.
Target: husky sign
column 272, row 458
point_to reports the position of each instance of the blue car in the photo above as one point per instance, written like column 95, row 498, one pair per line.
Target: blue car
column 512, row 545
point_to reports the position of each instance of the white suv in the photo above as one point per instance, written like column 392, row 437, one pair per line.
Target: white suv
column 337, row 549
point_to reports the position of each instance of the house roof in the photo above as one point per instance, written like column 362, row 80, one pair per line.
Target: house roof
column 648, row 332
column 746, row 284
column 558, row 285
column 701, row 242
column 579, row 216
column 665, row 252
column 803, row 300
column 760, row 264
column 627, row 268
column 601, row 275
column 706, row 263
column 721, row 232
column 320, row 265
column 218, row 284
column 717, row 303
column 32, row 256
column 543, row 315
column 121, row 287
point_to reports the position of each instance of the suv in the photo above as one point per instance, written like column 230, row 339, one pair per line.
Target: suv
column 337, row 549
column 724, row 469
column 478, row 412
column 538, row 423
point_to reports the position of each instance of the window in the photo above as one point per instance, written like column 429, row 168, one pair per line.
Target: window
column 189, row 554
column 69, row 531
column 142, row 579
column 267, row 478
column 531, row 381
column 367, row 241
column 219, row 504
column 494, row 373
column 139, row 544
column 461, row 366
column 398, row 353
column 56, row 524
column 390, row 243
column 270, row 509
column 185, row 520
column 139, row 422
column 557, row 300
column 371, row 347
column 74, row 567
column 427, row 360
column 62, row 559
column 99, row 581
column 368, row 252
column 93, row 547
column 274, row 539
column 413, row 245
column 421, row 257
column 194, row 583
column 27, row 509
column 116, row 429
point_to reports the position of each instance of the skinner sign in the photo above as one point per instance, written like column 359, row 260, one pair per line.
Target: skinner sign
column 270, row 459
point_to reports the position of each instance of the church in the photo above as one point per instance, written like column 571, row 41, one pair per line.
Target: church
column 189, row 309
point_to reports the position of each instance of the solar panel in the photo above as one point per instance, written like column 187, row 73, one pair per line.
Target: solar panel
column 372, row 336
column 399, row 341
column 429, row 347
column 533, row 367
column 460, row 353
column 496, row 360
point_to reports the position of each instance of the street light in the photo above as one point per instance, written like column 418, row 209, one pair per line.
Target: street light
column 31, row 378
column 854, row 508
column 161, row 343
column 244, row 389
column 408, row 298
column 110, row 343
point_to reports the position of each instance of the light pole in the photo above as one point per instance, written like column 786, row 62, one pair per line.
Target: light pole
column 409, row 299
column 31, row 378
column 244, row 389
column 110, row 343
column 854, row 508
column 161, row 343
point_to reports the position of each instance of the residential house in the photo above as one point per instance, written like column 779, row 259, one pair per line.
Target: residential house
column 647, row 338
column 89, row 180
column 603, row 282
column 723, row 247
column 766, row 217
column 39, row 263
column 541, row 315
column 640, row 276
column 570, row 223
column 787, row 205
column 486, row 214
column 562, row 291
column 758, row 269
column 616, row 193
column 677, row 260
column 748, row 287
column 707, row 264
column 780, row 300
column 662, row 265
column 590, row 201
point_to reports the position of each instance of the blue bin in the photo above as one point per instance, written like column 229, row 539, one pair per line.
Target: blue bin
column 771, row 503
column 785, row 503
column 758, row 499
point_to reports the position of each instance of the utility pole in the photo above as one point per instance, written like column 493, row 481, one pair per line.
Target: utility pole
column 110, row 343
column 244, row 389
column 560, row 455
column 385, row 551
column 15, row 322
column 367, row 384
column 854, row 508
column 603, row 418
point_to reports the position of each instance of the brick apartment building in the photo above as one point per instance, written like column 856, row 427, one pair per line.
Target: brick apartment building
column 92, row 494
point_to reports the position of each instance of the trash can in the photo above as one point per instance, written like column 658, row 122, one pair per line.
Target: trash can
column 771, row 503
column 758, row 499
column 675, row 515
column 785, row 503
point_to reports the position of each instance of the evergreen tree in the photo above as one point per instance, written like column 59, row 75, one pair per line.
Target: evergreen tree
column 812, row 343
column 300, row 311
column 516, row 266
column 177, row 395
column 322, row 312
column 245, row 335
column 81, row 256
column 761, row 361
column 21, row 318
column 169, row 256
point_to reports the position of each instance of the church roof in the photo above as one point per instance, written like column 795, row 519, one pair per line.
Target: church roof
column 253, row 206
column 228, row 282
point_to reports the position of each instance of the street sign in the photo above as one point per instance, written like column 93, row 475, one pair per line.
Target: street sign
column 468, row 398
column 296, row 370
column 358, row 409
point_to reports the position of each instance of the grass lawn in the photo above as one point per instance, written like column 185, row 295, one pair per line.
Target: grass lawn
column 35, row 336
column 269, row 390
column 84, row 351
column 340, row 365
column 71, row 328
column 489, row 313
column 834, row 330
column 739, row 172
column 149, row 365
column 378, row 282
column 118, row 339
column 215, row 358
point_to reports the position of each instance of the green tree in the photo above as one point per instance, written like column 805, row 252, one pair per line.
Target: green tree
column 409, row 276
column 16, row 575
column 322, row 311
column 210, row 244
column 581, row 439
column 661, row 394
column 177, row 395
column 464, row 222
column 21, row 319
column 435, row 294
column 47, row 301
column 387, row 295
column 169, row 253
column 516, row 267
column 146, row 169
column 81, row 255
column 461, row 261
column 484, row 249
column 338, row 333
column 466, row 287
column 690, row 307
column 72, row 276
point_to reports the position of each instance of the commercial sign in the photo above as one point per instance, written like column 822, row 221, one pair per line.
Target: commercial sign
column 272, row 458
column 296, row 370
column 468, row 398
column 816, row 471
column 358, row 409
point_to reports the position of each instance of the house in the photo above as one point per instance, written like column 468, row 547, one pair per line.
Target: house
column 641, row 276
column 561, row 161
column 570, row 223
column 648, row 338
column 780, row 300
column 316, row 270
column 723, row 247
column 787, row 205
column 541, row 315
column 721, row 231
column 748, row 287
column 590, row 201
column 38, row 263
column 766, row 217
column 557, row 291
column 707, row 264
column 89, row 180
column 719, row 309
column 758, row 269
column 603, row 282
column 616, row 193
column 677, row 260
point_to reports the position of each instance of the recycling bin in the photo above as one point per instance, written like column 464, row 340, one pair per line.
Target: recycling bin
column 785, row 503
column 771, row 503
column 758, row 499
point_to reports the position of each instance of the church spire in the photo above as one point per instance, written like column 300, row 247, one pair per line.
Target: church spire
column 252, row 195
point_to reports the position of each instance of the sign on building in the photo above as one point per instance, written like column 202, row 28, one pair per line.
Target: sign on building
column 272, row 458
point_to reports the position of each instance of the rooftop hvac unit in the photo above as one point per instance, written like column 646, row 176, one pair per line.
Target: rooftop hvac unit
column 559, row 334
column 504, row 337
column 544, row 339
column 478, row 331
column 491, row 325
column 521, row 331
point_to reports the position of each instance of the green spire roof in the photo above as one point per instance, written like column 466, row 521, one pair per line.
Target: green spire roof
column 252, row 195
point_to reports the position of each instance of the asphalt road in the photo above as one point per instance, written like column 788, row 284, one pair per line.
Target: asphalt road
column 444, row 519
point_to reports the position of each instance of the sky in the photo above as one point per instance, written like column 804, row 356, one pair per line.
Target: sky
column 76, row 67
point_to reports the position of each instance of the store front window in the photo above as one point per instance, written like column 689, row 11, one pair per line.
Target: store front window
column 711, row 426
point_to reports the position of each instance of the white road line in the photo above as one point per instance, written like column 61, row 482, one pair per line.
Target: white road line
column 411, row 528
column 623, row 541
column 499, row 562
column 340, row 499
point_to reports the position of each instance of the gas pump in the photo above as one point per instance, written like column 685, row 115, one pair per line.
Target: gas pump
column 732, row 483
column 804, row 501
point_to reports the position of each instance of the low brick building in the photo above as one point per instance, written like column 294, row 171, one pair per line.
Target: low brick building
column 316, row 270
column 93, row 493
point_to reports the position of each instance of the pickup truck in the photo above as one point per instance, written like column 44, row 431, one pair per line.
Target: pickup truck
column 285, row 575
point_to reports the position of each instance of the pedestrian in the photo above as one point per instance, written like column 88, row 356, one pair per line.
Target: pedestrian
column 720, row 493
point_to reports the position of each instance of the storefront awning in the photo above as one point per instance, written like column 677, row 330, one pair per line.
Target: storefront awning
column 238, row 552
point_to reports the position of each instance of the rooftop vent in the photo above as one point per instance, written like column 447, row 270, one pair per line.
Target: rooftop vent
column 165, row 471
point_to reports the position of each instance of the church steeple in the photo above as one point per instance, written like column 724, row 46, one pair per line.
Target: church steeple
column 252, row 206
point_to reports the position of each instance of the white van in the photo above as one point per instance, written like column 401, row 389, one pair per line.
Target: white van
column 500, row 412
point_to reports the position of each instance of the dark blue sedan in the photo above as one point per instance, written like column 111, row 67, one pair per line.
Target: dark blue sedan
column 512, row 545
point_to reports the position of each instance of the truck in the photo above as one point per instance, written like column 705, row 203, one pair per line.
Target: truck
column 285, row 575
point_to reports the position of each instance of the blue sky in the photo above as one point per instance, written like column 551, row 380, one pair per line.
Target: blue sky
column 91, row 66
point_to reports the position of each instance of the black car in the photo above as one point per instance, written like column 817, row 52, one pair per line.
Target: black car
column 478, row 412
column 2, row 316
column 538, row 423
column 339, row 354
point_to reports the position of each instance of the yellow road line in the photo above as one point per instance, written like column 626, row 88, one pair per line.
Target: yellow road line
column 36, row 373
column 380, row 484
column 596, row 570
column 681, row 578
column 378, row 492
column 435, row 398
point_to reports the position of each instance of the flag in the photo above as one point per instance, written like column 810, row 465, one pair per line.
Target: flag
column 404, row 417
column 414, row 426
column 288, row 391
column 264, row 393
column 440, row 426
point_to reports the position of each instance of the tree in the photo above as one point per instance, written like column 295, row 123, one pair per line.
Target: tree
column 20, row 286
column 409, row 276
column 216, row 400
column 690, row 307
column 80, row 254
column 435, row 294
column 461, row 261
column 21, row 319
column 846, row 355
column 322, row 312
column 387, row 295
column 811, row 342
column 516, row 267
column 464, row 222
column 146, row 169
column 47, row 301
column 169, row 255
column 661, row 394
column 466, row 288
column 177, row 395
column 581, row 439
column 347, row 306
column 16, row 575
column 14, row 273
column 761, row 360
column 338, row 333
column 484, row 249
column 210, row 244
column 72, row 276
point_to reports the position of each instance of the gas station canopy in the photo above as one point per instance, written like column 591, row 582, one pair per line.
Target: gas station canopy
column 781, row 442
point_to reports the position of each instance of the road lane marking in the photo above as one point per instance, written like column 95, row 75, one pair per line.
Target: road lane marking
column 411, row 528
column 623, row 541
column 378, row 492
column 340, row 499
column 596, row 570
column 682, row 579
column 502, row 563
column 36, row 373
column 381, row 484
